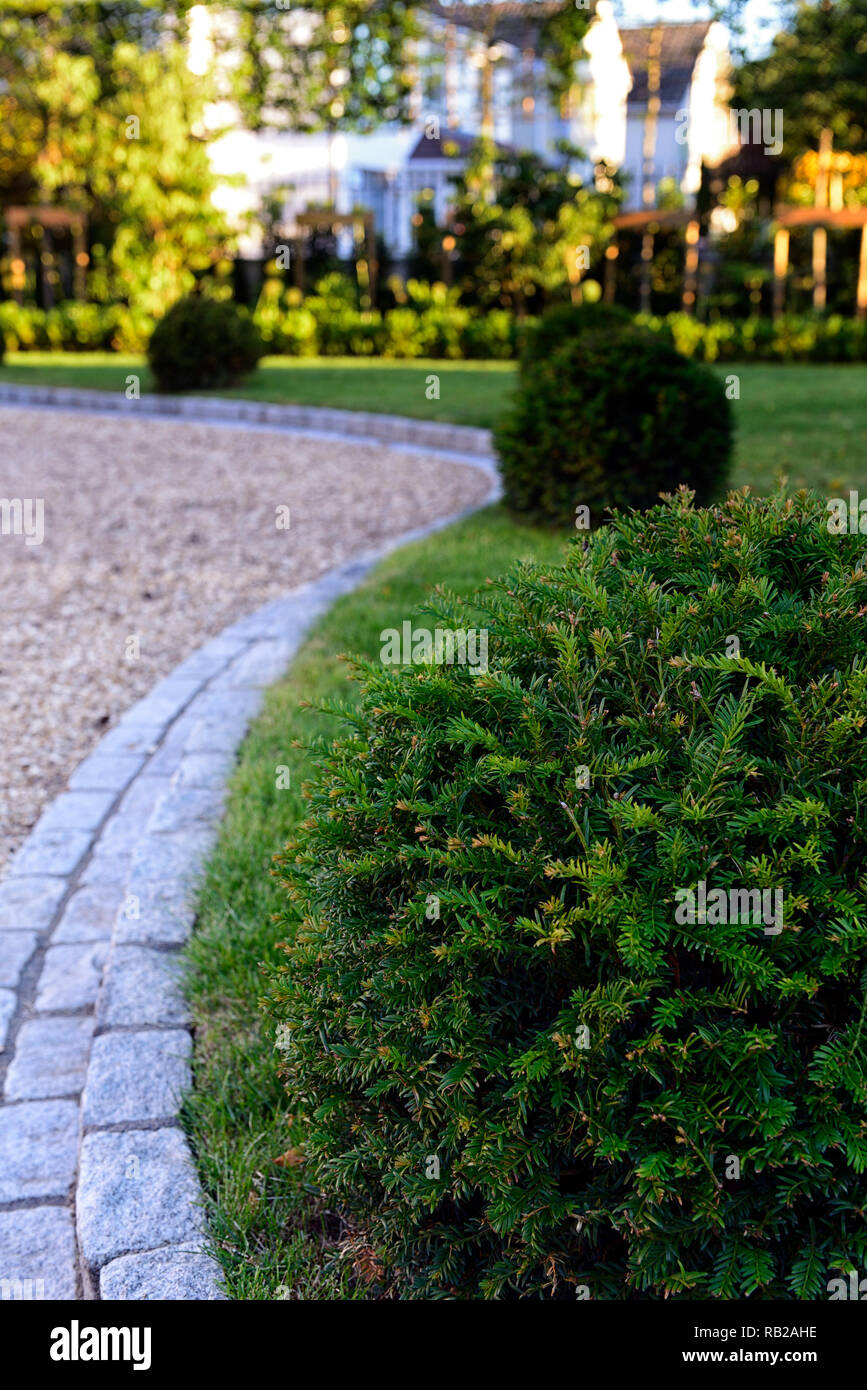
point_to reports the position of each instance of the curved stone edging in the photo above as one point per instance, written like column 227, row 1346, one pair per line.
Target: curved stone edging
column 95, row 910
column 349, row 424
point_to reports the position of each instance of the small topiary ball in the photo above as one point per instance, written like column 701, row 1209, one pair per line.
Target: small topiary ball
column 574, row 989
column 611, row 418
column 201, row 343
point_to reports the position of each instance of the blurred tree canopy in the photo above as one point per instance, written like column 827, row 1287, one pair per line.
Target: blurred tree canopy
column 524, row 231
column 98, row 117
column 816, row 74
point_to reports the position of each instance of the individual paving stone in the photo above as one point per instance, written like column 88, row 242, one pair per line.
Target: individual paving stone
column 204, row 770
column 126, row 827
column 50, row 1058
column 155, row 914
column 136, row 1190
column 50, row 852
column 229, row 705
column 37, row 1250
column 76, row 810
column 222, row 727
column 221, row 648
column 136, row 1076
column 171, row 1273
column 8, row 1003
column 104, row 868
column 89, row 915
column 164, row 702
column 179, row 807
column 111, row 772
column 16, row 948
column 260, row 665
column 70, row 976
column 200, row 666
column 168, row 755
column 38, row 1148
column 145, row 791
column 173, row 858
column 30, row 903
column 142, row 985
column 129, row 738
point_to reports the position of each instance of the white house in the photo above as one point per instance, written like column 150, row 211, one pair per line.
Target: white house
column 651, row 101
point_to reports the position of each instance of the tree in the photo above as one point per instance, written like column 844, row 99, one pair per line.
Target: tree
column 98, row 116
column 325, row 64
column 816, row 74
column 538, row 233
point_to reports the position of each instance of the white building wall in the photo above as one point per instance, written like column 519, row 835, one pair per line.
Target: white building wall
column 374, row 169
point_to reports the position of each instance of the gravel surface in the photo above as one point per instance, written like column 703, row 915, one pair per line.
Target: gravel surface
column 160, row 534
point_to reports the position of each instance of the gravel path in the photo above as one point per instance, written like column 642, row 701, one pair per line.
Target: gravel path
column 157, row 535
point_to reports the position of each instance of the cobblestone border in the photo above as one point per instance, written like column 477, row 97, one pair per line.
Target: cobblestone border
column 98, row 1194
column 371, row 428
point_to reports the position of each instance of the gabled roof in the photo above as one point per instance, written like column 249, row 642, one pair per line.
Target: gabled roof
column 508, row 21
column 450, row 144
column 681, row 45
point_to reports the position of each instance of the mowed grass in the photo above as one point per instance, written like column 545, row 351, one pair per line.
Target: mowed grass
column 271, row 1232
column 806, row 422
column 471, row 393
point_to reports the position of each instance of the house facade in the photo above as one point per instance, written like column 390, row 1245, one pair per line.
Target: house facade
column 649, row 101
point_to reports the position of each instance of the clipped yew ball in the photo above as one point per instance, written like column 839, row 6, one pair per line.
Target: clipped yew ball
column 202, row 343
column 612, row 417
column 523, row 1072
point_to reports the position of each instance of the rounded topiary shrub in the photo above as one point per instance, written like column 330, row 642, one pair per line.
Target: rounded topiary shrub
column 202, row 342
column 611, row 419
column 566, row 321
column 574, row 989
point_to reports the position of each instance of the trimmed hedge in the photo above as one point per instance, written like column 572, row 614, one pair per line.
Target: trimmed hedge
column 521, row 1075
column 202, row 343
column 609, row 418
column 792, row 338
column 74, row 327
column 319, row 327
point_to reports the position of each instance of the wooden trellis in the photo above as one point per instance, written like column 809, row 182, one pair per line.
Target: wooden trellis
column 54, row 219
column 650, row 221
column 821, row 220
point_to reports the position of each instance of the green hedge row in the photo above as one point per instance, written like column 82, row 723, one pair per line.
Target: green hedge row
column 441, row 330
column 320, row 328
column 74, row 327
column 792, row 338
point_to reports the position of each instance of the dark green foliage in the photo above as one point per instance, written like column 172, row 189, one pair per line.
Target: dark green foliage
column 566, row 321
column 203, row 342
column 458, row 1037
column 611, row 419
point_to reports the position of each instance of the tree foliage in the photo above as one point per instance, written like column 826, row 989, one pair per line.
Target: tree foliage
column 523, row 229
column 98, row 117
column 816, row 74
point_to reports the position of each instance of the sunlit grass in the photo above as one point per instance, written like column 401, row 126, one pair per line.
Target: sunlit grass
column 809, row 422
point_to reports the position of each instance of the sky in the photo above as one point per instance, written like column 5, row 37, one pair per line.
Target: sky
column 763, row 18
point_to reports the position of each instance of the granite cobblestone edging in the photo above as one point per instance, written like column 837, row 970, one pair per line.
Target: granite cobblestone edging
column 98, row 1194
column 392, row 430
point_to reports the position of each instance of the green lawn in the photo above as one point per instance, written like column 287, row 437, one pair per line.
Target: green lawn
column 808, row 422
column 269, row 1231
column 470, row 393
